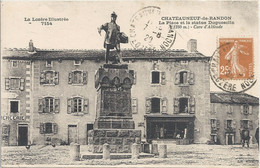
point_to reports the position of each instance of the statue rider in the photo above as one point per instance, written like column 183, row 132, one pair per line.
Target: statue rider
column 112, row 37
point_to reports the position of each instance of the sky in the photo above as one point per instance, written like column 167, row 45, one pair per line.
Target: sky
column 80, row 31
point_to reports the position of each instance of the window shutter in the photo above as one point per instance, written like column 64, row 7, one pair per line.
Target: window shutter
column 191, row 78
column 70, row 78
column 233, row 124
column 42, row 78
column 192, row 105
column 225, row 124
column 69, row 105
column 241, row 109
column 134, row 106
column 218, row 124
column 163, row 78
column 250, row 110
column 134, row 81
column 177, row 78
column 231, row 109
column 85, row 77
column 22, row 83
column 7, row 83
column 55, row 128
column 241, row 124
column 40, row 104
column 176, row 105
column 41, row 128
column 250, row 124
column 56, row 78
column 86, row 102
column 164, row 105
column 148, row 105
column 57, row 105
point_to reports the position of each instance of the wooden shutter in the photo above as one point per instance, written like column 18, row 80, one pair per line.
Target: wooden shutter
column 163, row 78
column 85, row 77
column 56, row 78
column 176, row 105
column 148, row 105
column 134, row 106
column 218, row 124
column 191, row 79
column 42, row 125
column 241, row 109
column 57, row 105
column 225, row 124
column 7, row 83
column 241, row 124
column 69, row 105
column 42, row 78
column 55, row 128
column 22, row 84
column 177, row 78
column 85, row 108
column 135, row 77
column 231, row 109
column 70, row 78
column 233, row 124
column 192, row 105
column 6, row 130
column 164, row 105
column 40, row 105
column 250, row 110
column 250, row 124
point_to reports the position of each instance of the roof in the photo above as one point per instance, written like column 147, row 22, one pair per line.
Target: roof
column 234, row 98
column 67, row 54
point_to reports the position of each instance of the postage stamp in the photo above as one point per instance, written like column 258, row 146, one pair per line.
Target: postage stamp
column 236, row 58
column 232, row 64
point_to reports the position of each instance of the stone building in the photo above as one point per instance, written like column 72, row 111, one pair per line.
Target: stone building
column 170, row 94
column 231, row 113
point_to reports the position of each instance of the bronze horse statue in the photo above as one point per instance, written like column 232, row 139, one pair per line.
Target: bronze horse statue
column 245, row 137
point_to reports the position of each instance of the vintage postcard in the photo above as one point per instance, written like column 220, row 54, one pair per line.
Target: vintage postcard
column 130, row 83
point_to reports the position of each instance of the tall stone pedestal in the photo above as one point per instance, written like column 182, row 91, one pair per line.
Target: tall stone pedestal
column 114, row 124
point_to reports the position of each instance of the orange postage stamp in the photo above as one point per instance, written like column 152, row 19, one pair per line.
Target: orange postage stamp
column 236, row 58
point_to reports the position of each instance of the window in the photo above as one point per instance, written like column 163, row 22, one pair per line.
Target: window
column 49, row 78
column 229, row 109
column 14, row 106
column 77, row 62
column 49, row 63
column 184, row 77
column 213, row 123
column 14, row 64
column 155, row 104
column 245, row 124
column 14, row 83
column 229, row 124
column 77, row 105
column 184, row 105
column 49, row 105
column 48, row 128
column 246, row 109
column 78, row 77
column 155, row 77
column 158, row 77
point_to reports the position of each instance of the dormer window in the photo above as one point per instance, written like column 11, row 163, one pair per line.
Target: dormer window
column 77, row 62
column 48, row 63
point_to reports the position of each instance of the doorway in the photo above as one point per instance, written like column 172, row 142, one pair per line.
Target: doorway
column 230, row 139
column 72, row 134
column 23, row 135
column 89, row 127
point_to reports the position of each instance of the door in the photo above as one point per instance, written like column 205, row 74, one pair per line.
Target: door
column 22, row 135
column 230, row 140
column 89, row 127
column 72, row 134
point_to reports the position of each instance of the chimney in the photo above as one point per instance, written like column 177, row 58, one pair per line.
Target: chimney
column 31, row 47
column 192, row 45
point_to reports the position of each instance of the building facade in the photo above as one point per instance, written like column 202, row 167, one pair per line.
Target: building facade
column 232, row 113
column 57, row 95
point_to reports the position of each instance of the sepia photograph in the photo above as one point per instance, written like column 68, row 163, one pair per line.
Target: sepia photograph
column 130, row 83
